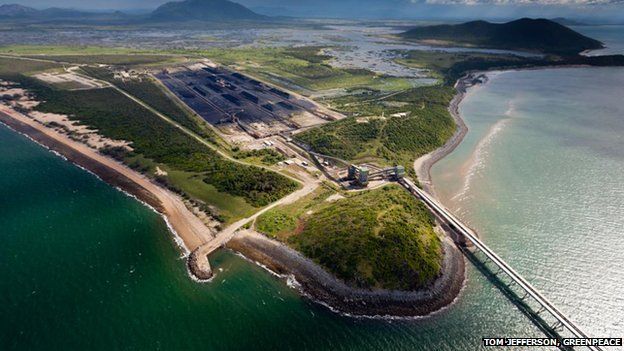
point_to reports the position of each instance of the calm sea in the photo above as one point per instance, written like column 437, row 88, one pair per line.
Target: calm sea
column 540, row 175
column 83, row 266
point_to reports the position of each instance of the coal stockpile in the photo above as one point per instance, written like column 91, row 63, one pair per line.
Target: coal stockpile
column 201, row 91
column 238, row 76
column 215, row 88
column 211, row 70
column 230, row 86
column 217, row 95
column 286, row 105
column 280, row 93
column 185, row 94
column 250, row 97
column 231, row 99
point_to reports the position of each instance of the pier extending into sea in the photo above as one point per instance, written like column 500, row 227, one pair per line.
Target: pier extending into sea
column 449, row 219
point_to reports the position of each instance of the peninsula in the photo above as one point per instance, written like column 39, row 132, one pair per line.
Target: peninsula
column 276, row 152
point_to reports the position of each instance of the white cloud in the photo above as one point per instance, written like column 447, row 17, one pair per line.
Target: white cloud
column 524, row 2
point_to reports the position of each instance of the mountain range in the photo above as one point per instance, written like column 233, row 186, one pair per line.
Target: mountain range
column 174, row 11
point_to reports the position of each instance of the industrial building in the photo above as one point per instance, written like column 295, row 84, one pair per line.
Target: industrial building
column 361, row 175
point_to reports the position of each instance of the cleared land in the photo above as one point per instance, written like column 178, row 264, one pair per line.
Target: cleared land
column 225, row 98
column 68, row 81
column 153, row 94
column 157, row 143
column 302, row 69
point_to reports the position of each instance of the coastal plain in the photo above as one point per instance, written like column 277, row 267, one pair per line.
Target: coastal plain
column 265, row 193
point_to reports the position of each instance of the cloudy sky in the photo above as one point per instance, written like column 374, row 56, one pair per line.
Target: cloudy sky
column 599, row 9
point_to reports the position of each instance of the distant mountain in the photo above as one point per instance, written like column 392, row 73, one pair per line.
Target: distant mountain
column 204, row 10
column 568, row 22
column 526, row 34
column 15, row 10
column 18, row 12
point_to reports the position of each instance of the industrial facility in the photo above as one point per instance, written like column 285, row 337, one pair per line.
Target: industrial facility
column 225, row 99
column 362, row 175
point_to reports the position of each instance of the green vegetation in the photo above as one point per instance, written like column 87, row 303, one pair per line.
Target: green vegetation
column 440, row 63
column 192, row 183
column 382, row 238
column 258, row 186
column 281, row 222
column 92, row 54
column 372, row 134
column 266, row 157
column 451, row 66
column 112, row 59
column 524, row 34
column 41, row 50
column 156, row 142
column 302, row 69
column 158, row 98
column 366, row 136
column 10, row 67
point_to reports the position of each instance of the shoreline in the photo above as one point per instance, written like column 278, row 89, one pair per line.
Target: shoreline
column 321, row 287
column 422, row 165
column 312, row 281
column 188, row 230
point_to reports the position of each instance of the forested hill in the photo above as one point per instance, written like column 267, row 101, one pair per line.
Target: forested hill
column 204, row 10
column 524, row 34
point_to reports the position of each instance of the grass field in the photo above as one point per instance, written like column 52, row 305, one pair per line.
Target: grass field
column 267, row 157
column 70, row 50
column 10, row 67
column 154, row 95
column 234, row 189
column 381, row 238
column 371, row 133
column 302, row 69
column 281, row 222
column 114, row 59
column 193, row 184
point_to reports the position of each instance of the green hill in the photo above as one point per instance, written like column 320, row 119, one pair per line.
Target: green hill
column 382, row 238
column 203, row 10
column 524, row 34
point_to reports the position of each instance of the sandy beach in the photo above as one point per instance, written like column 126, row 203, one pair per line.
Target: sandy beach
column 423, row 164
column 312, row 280
column 190, row 229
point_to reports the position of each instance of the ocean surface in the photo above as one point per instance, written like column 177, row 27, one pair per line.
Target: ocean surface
column 539, row 175
column 611, row 35
column 83, row 266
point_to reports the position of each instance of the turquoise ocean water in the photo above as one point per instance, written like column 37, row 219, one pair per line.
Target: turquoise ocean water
column 83, row 266
column 540, row 175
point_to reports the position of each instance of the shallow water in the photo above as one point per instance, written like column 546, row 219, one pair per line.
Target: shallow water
column 82, row 266
column 540, row 176
column 611, row 35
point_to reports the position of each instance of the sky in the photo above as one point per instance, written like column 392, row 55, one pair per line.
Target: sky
column 419, row 9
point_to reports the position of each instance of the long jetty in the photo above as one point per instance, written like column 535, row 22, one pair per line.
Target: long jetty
column 463, row 230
